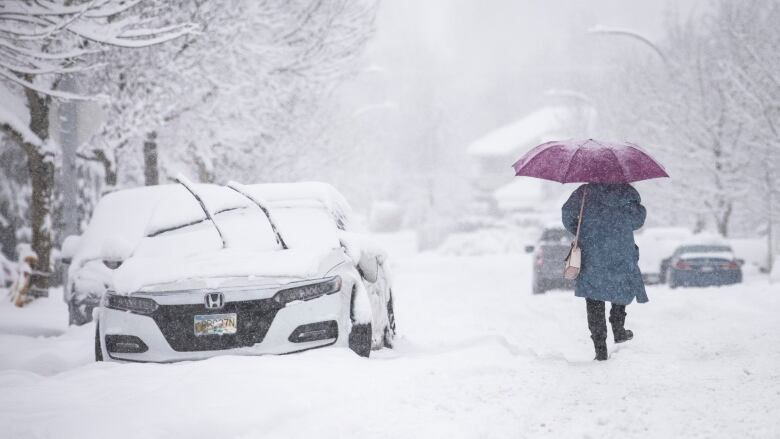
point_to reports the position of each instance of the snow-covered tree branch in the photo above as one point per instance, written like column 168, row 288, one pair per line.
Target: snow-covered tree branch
column 42, row 40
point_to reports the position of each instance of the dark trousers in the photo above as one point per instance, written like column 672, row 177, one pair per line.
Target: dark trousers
column 597, row 322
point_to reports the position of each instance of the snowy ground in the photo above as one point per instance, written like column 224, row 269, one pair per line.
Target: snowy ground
column 479, row 356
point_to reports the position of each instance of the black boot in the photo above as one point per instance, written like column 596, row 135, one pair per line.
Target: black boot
column 601, row 349
column 617, row 317
column 598, row 328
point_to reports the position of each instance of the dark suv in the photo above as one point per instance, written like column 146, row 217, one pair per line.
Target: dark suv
column 549, row 253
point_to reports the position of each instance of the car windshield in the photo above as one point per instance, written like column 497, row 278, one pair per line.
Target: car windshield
column 306, row 227
column 556, row 235
column 704, row 249
column 243, row 227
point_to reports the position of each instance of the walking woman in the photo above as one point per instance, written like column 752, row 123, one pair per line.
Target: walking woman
column 611, row 213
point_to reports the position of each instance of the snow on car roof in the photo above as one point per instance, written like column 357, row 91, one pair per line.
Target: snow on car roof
column 708, row 255
column 303, row 194
column 127, row 215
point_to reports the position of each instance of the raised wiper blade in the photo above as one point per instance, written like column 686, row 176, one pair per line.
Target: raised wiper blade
column 184, row 181
column 238, row 187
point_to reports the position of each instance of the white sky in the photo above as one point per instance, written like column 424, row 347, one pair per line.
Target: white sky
column 497, row 57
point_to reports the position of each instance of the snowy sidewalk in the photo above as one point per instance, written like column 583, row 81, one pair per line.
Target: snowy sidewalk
column 479, row 356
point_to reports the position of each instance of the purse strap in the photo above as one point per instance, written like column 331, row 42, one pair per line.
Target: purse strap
column 579, row 220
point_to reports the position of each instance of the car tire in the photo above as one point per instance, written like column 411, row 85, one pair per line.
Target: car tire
column 388, row 336
column 98, row 349
column 360, row 334
column 538, row 288
column 360, row 339
column 76, row 318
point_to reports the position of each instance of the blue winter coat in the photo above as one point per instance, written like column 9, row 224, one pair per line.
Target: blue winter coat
column 609, row 255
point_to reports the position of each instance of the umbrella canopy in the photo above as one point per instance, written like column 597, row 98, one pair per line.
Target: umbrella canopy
column 589, row 161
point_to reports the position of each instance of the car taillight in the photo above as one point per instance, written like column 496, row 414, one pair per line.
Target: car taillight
column 540, row 257
column 733, row 265
column 682, row 265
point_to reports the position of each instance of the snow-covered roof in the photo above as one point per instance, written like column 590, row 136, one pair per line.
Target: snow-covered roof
column 537, row 127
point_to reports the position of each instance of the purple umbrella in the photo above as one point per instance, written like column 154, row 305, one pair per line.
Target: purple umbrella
column 589, row 161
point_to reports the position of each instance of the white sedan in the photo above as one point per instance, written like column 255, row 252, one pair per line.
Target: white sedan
column 260, row 269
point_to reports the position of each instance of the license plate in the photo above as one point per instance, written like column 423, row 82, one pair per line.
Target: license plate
column 216, row 324
column 707, row 269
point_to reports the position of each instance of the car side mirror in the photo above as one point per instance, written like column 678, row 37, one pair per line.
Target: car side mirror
column 369, row 267
column 529, row 248
column 69, row 247
column 116, row 249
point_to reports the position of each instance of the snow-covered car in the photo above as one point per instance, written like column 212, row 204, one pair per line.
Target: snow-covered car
column 704, row 265
column 118, row 220
column 656, row 244
column 258, row 269
column 549, row 252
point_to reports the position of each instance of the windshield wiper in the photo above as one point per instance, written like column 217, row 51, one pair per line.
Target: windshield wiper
column 191, row 223
column 184, row 181
column 241, row 189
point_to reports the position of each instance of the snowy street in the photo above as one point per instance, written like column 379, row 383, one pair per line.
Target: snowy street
column 369, row 218
column 477, row 356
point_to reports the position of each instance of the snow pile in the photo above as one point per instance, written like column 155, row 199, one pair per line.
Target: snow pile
column 658, row 243
column 753, row 251
column 775, row 274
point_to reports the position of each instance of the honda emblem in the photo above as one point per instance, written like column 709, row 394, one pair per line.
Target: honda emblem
column 214, row 300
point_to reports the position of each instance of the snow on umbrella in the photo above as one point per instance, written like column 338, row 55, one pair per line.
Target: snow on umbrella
column 589, row 161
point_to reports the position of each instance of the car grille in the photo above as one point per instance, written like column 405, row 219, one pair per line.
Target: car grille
column 176, row 322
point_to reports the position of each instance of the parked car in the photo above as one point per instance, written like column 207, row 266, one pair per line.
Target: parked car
column 656, row 244
column 549, row 253
column 217, row 270
column 117, row 224
column 703, row 265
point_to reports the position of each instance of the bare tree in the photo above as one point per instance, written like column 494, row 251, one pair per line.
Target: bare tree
column 245, row 93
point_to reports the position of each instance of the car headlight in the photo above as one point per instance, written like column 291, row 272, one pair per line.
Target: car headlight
column 137, row 305
column 308, row 292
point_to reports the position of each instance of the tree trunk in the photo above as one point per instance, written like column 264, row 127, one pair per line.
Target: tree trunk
column 151, row 169
column 722, row 222
column 40, row 164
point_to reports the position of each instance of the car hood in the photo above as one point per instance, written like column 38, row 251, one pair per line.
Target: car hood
column 226, row 266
